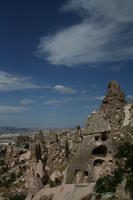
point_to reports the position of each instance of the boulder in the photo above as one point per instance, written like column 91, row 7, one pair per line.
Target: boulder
column 56, row 178
column 39, row 169
column 25, row 156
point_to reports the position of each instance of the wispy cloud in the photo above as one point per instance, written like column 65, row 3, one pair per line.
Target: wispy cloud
column 14, row 107
column 116, row 67
column 64, row 90
column 64, row 100
column 91, row 108
column 100, row 98
column 105, row 34
column 8, row 109
column 130, row 97
column 52, row 102
column 11, row 82
column 92, row 87
column 71, row 99
column 26, row 102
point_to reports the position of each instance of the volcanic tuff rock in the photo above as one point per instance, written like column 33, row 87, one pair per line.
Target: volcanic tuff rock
column 65, row 165
column 11, row 152
column 112, row 108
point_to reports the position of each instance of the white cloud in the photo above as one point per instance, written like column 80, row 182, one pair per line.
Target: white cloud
column 8, row 109
column 91, row 108
column 67, row 100
column 52, row 102
column 11, row 82
column 105, row 34
column 92, row 87
column 14, row 108
column 26, row 102
column 117, row 10
column 85, row 91
column 130, row 97
column 64, row 90
column 116, row 67
column 100, row 98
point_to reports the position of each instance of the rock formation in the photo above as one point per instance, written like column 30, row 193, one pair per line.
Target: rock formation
column 112, row 108
column 66, row 165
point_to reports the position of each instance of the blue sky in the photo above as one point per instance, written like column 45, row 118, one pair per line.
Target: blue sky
column 57, row 58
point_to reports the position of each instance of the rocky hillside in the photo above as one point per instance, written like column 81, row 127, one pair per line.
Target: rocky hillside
column 82, row 164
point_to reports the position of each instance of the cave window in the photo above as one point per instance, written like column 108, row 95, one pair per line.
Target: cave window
column 98, row 162
column 100, row 151
column 57, row 181
column 96, row 138
column 104, row 136
column 37, row 175
column 85, row 173
column 38, row 152
column 77, row 171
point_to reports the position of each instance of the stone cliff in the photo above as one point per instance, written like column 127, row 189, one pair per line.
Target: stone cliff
column 112, row 108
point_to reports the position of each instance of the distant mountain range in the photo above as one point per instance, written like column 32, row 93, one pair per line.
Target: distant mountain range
column 14, row 130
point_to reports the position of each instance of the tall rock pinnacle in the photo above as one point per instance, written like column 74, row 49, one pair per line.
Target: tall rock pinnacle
column 114, row 92
column 112, row 108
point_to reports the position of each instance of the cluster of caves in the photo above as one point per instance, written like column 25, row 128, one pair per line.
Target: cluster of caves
column 103, row 137
column 97, row 151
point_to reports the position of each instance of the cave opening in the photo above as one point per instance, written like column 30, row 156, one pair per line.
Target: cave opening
column 98, row 162
column 100, row 151
column 104, row 136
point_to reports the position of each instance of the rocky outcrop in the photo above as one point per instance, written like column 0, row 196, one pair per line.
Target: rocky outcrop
column 66, row 192
column 112, row 108
column 25, row 156
column 128, row 121
column 11, row 153
column 38, row 159
column 23, row 141
column 33, row 184
column 67, row 164
column 56, row 178
column 51, row 137
column 39, row 149
column 57, row 157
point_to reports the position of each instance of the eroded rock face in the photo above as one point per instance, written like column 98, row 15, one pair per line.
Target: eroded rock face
column 47, row 197
column 40, row 140
column 23, row 140
column 66, row 165
column 40, row 169
column 66, row 192
column 56, row 179
column 11, row 153
column 38, row 159
column 112, row 108
column 39, row 149
column 128, row 121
